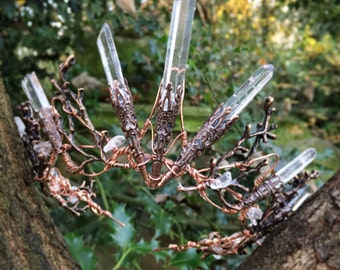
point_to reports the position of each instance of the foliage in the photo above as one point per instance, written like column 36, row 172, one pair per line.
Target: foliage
column 83, row 254
column 230, row 39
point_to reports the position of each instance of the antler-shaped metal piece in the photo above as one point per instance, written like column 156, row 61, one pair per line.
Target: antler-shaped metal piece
column 228, row 178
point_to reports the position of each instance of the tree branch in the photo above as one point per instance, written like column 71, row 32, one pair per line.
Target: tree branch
column 28, row 237
column 309, row 239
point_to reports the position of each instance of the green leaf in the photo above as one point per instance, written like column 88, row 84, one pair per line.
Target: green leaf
column 189, row 259
column 122, row 235
column 142, row 246
column 84, row 255
column 162, row 222
column 161, row 255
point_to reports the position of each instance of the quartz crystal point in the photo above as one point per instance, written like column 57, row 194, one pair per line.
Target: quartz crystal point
column 171, row 91
column 224, row 116
column 20, row 125
column 248, row 90
column 178, row 45
column 35, row 92
column 120, row 93
column 114, row 142
column 111, row 64
column 291, row 169
column 302, row 195
column 254, row 214
column 221, row 182
column 40, row 104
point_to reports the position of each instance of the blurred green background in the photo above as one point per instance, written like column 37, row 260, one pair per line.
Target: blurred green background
column 230, row 40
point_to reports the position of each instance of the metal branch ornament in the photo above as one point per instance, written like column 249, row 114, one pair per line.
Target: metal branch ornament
column 49, row 133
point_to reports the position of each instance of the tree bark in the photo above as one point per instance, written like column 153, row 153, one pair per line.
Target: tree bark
column 309, row 239
column 28, row 237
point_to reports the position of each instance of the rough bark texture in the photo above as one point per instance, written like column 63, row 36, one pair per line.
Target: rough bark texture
column 310, row 239
column 28, row 236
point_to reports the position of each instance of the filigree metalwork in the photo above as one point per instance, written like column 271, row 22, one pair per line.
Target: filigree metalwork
column 49, row 133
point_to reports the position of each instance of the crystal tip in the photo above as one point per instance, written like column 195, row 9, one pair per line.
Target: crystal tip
column 269, row 67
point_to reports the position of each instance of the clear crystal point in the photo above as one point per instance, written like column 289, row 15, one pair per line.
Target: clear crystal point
column 178, row 44
column 296, row 165
column 114, row 142
column 248, row 90
column 109, row 56
column 34, row 92
column 20, row 125
column 302, row 195
column 223, row 181
column 40, row 104
column 254, row 214
column 111, row 63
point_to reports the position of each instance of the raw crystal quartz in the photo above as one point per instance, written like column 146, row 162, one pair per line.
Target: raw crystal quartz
column 254, row 214
column 20, row 125
column 302, row 195
column 223, row 181
column 296, row 165
column 111, row 64
column 178, row 45
column 35, row 92
column 109, row 56
column 216, row 125
column 41, row 105
column 248, row 90
column 114, row 142
column 120, row 94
